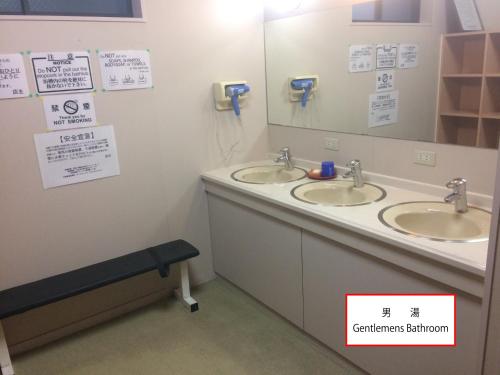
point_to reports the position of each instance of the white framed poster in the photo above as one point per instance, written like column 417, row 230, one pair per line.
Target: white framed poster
column 383, row 109
column 79, row 155
column 408, row 56
column 13, row 82
column 360, row 58
column 126, row 70
column 69, row 111
column 59, row 72
column 387, row 55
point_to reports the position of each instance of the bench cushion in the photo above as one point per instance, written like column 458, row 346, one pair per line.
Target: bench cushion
column 29, row 296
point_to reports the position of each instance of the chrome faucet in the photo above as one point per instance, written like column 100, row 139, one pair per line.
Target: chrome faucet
column 355, row 172
column 459, row 195
column 286, row 157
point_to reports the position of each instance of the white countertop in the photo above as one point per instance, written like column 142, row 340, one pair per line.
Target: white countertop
column 470, row 257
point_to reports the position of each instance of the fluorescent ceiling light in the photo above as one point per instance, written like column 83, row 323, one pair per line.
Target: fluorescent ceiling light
column 235, row 13
column 284, row 5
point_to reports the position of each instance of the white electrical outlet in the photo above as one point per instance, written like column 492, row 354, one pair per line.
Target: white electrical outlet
column 332, row 144
column 425, row 158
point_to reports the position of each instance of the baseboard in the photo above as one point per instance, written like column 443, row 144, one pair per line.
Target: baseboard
column 88, row 322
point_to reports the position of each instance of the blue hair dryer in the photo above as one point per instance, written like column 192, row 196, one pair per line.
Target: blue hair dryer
column 234, row 92
column 303, row 84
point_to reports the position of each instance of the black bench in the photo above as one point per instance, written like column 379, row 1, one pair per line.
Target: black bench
column 52, row 289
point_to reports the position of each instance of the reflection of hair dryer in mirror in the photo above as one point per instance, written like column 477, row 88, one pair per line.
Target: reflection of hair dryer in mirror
column 303, row 84
column 301, row 88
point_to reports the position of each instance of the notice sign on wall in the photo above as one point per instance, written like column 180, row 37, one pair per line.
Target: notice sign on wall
column 13, row 83
column 360, row 58
column 408, row 56
column 73, row 156
column 125, row 70
column 385, row 80
column 383, row 109
column 58, row 72
column 387, row 55
column 69, row 111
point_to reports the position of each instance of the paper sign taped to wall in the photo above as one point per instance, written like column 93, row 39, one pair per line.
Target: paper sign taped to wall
column 383, row 109
column 73, row 156
column 13, row 82
column 69, row 111
column 125, row 70
column 360, row 58
column 385, row 80
column 387, row 55
column 408, row 56
column 58, row 72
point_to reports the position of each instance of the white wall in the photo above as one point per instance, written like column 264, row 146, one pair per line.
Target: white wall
column 393, row 157
column 165, row 137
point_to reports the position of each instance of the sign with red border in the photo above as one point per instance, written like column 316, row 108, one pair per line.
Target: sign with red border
column 414, row 319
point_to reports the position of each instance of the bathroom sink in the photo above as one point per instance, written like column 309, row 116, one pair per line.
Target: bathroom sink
column 437, row 221
column 268, row 174
column 338, row 193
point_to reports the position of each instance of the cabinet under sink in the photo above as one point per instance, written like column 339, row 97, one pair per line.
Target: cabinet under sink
column 280, row 259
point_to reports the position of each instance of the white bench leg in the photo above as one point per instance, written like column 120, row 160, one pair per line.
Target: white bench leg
column 183, row 293
column 5, row 362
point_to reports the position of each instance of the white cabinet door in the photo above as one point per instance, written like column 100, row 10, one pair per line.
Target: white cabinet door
column 331, row 270
column 259, row 254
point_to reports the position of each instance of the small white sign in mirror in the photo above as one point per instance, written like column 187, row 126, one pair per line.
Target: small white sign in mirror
column 384, row 108
column 387, row 55
column 360, row 58
column 385, row 80
column 408, row 56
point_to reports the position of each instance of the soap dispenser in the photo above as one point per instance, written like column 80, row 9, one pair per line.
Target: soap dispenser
column 301, row 88
column 231, row 95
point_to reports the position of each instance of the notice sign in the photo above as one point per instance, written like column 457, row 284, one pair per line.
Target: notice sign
column 387, row 55
column 72, row 156
column 69, row 111
column 385, row 80
column 408, row 56
column 125, row 70
column 383, row 109
column 13, row 83
column 57, row 72
column 360, row 58
column 400, row 319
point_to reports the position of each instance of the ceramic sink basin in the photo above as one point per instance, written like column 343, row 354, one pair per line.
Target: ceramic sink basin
column 338, row 193
column 437, row 221
column 268, row 174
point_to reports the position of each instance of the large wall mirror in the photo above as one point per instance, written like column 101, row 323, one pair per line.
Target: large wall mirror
column 401, row 69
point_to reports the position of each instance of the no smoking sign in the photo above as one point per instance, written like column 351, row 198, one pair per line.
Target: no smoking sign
column 69, row 111
column 385, row 80
column 71, row 107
